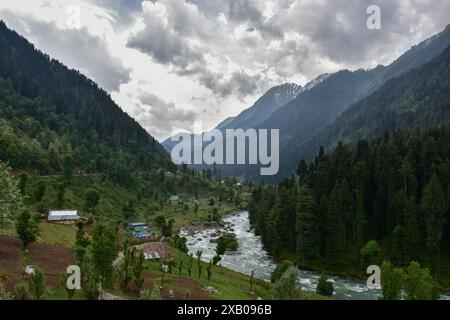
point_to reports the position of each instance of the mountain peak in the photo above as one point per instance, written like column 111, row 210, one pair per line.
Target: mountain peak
column 313, row 83
column 289, row 89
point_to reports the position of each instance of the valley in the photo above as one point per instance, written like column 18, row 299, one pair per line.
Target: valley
column 356, row 173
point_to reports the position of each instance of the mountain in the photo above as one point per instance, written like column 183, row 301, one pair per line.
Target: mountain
column 314, row 109
column 418, row 98
column 52, row 116
column 260, row 111
column 264, row 107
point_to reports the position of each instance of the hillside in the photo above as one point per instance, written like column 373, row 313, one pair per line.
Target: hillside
column 419, row 98
column 315, row 109
column 55, row 118
column 389, row 195
column 320, row 103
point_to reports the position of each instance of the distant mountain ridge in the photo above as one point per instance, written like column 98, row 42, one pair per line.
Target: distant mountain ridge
column 260, row 111
column 318, row 104
column 418, row 98
column 315, row 109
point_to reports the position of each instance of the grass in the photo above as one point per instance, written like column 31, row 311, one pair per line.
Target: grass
column 49, row 233
column 231, row 284
column 56, row 234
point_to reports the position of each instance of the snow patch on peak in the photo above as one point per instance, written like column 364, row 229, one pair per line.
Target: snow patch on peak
column 316, row 81
column 287, row 91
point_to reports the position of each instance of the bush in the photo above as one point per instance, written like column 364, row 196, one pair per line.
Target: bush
column 287, row 287
column 369, row 253
column 325, row 287
column 226, row 242
column 280, row 270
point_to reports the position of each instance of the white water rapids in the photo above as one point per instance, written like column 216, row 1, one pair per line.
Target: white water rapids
column 251, row 256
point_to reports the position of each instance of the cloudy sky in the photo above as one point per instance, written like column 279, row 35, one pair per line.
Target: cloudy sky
column 169, row 63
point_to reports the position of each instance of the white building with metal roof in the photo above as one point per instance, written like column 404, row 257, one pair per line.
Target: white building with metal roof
column 63, row 216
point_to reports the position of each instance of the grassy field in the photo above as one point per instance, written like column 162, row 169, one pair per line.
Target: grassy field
column 55, row 234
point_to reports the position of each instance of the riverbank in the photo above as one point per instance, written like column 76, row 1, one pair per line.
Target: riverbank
column 251, row 257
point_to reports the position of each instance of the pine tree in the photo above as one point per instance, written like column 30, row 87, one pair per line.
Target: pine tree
column 360, row 172
column 335, row 229
column 306, row 224
column 434, row 207
column 10, row 195
column 391, row 281
column 412, row 235
column 26, row 228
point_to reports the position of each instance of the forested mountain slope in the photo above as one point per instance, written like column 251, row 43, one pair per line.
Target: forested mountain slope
column 52, row 116
column 420, row 97
column 314, row 109
column 394, row 190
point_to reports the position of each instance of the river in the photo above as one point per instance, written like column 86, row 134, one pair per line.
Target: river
column 251, row 256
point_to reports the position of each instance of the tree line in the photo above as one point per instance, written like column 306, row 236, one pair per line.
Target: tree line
column 394, row 190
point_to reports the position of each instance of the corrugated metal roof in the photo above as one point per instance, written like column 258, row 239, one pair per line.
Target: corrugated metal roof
column 60, row 215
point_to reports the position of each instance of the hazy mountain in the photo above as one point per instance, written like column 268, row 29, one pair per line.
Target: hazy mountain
column 260, row 111
column 418, row 98
column 265, row 106
column 310, row 109
column 313, row 110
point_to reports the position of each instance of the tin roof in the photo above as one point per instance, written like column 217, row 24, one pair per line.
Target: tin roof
column 60, row 215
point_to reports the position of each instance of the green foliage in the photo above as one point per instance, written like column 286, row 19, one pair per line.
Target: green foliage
column 368, row 254
column 419, row 284
column 60, row 195
column 26, row 228
column 90, row 287
column 199, row 254
column 125, row 271
column 190, row 264
column 63, row 279
column 81, row 246
column 104, row 251
column 434, row 207
column 164, row 225
column 280, row 270
column 92, row 198
column 391, row 281
column 138, row 267
column 128, row 210
column 416, row 283
column 11, row 197
column 23, row 182
column 390, row 190
column 39, row 191
column 37, row 285
column 324, row 287
column 4, row 295
column 59, row 120
column 306, row 224
column 398, row 245
column 209, row 270
column 22, row 291
column 288, row 286
column 225, row 242
column 180, row 243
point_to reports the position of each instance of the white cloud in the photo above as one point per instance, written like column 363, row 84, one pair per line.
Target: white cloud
column 210, row 59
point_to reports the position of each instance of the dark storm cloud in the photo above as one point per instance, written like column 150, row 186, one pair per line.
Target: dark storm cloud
column 164, row 46
column 92, row 56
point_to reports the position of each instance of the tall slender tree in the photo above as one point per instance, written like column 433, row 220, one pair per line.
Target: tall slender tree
column 434, row 207
column 306, row 224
